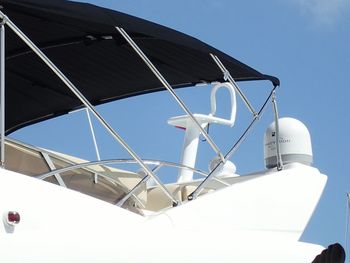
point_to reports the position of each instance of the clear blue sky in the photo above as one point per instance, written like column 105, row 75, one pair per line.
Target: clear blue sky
column 305, row 43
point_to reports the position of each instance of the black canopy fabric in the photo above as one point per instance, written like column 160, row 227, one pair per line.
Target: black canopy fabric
column 82, row 41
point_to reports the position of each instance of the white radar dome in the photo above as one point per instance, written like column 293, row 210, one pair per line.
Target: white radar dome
column 294, row 140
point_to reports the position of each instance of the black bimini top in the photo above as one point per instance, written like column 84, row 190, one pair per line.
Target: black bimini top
column 82, row 41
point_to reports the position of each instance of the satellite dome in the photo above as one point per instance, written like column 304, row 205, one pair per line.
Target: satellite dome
column 294, row 140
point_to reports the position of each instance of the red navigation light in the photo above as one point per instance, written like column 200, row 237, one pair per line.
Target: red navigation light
column 13, row 218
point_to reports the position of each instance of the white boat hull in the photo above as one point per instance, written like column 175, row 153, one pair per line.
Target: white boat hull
column 256, row 220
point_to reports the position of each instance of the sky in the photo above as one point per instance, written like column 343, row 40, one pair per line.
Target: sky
column 305, row 43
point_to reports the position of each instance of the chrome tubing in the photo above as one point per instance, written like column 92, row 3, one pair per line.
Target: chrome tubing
column 146, row 178
column 2, row 94
column 255, row 119
column 233, row 149
column 132, row 191
column 83, row 99
column 137, row 186
column 117, row 161
column 278, row 151
column 124, row 161
column 93, row 135
column 93, row 139
column 170, row 89
column 52, row 167
column 227, row 76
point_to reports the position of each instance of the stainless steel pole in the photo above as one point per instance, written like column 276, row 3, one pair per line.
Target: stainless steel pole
column 85, row 101
column 227, row 76
column 170, row 89
column 52, row 167
column 278, row 152
column 2, row 94
column 137, row 186
column 93, row 135
column 94, row 141
column 233, row 149
column 201, row 186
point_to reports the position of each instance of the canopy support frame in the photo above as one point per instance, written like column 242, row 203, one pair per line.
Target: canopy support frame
column 85, row 101
column 93, row 140
column 227, row 76
column 278, row 146
column 2, row 94
column 166, row 84
column 233, row 149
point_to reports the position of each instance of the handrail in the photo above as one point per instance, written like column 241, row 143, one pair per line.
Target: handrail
column 120, row 161
column 159, row 164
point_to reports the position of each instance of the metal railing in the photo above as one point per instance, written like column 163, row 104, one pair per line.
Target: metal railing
column 150, row 173
column 156, row 163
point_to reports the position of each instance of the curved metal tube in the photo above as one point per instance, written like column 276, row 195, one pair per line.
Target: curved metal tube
column 118, row 161
column 159, row 164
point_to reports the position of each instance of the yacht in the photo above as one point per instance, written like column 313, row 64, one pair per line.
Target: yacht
column 58, row 57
